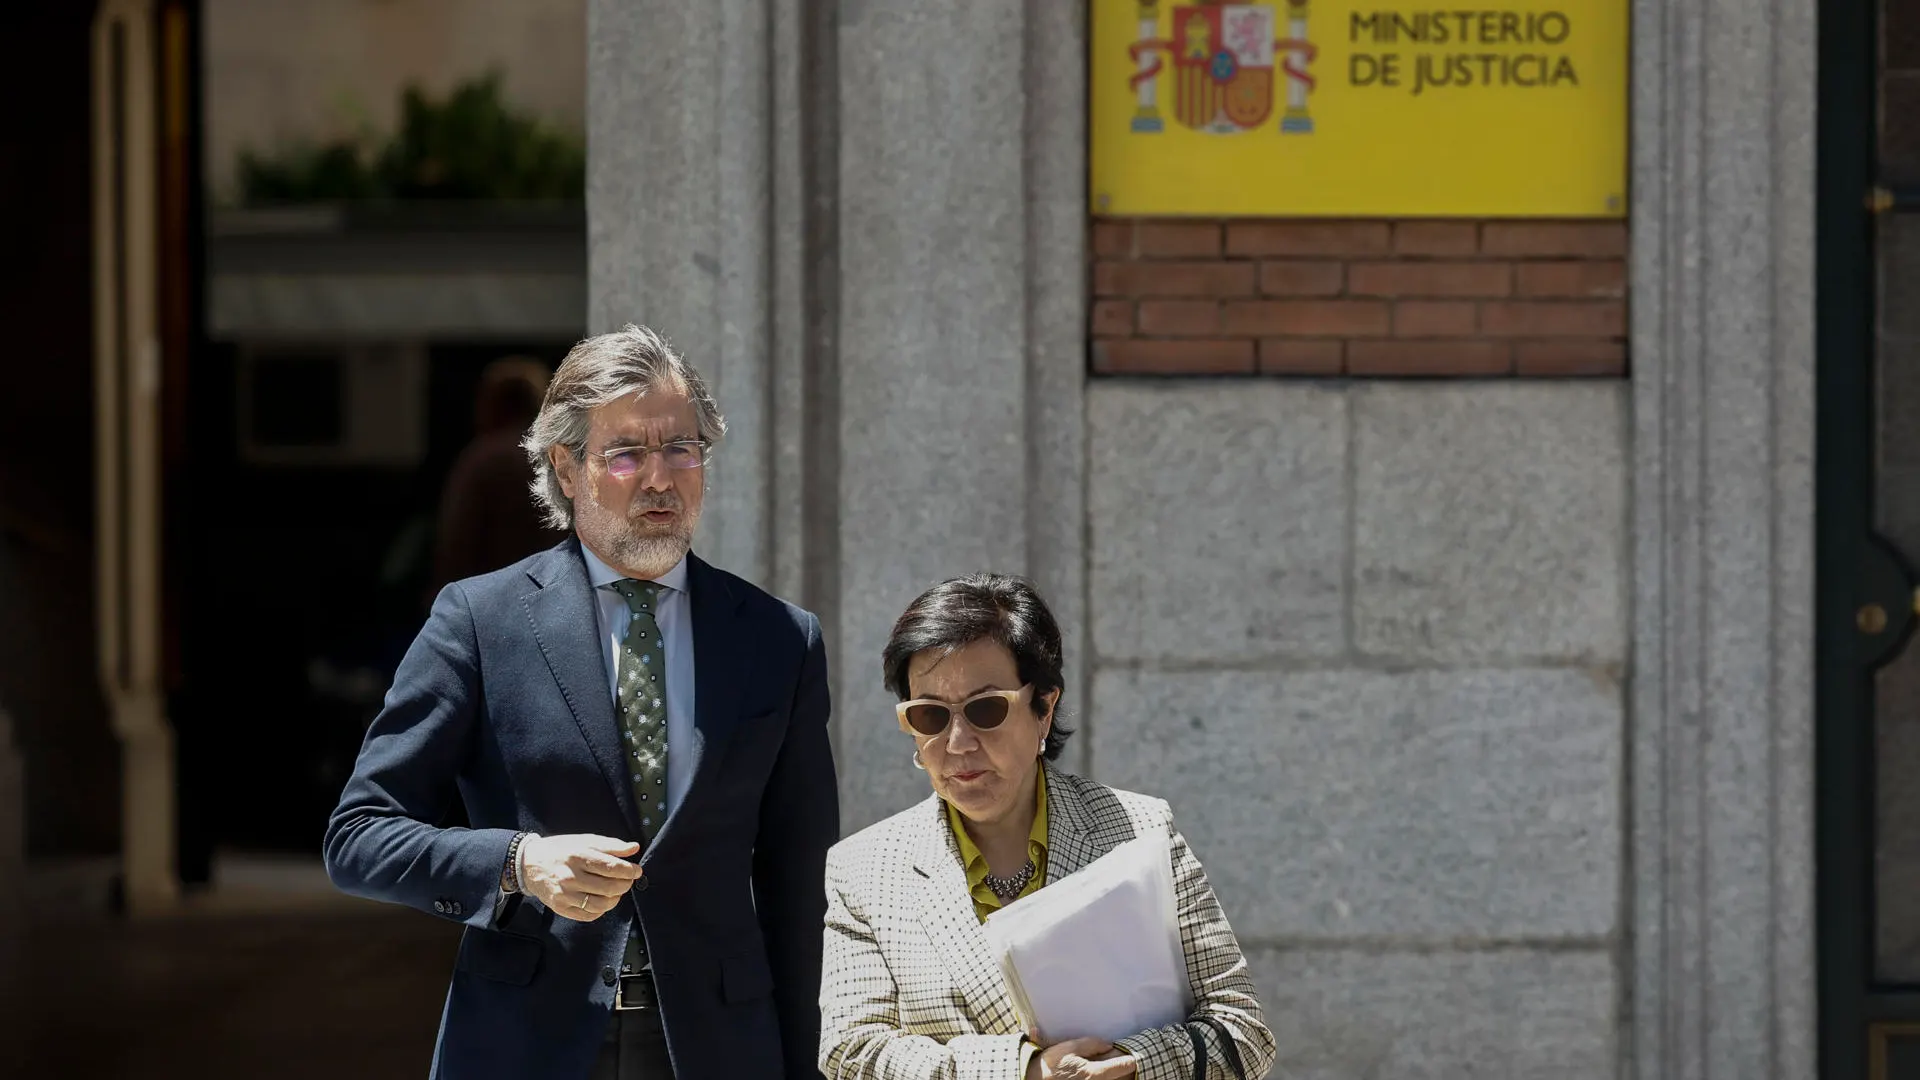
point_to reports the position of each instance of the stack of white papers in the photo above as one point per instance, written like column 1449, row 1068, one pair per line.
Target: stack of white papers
column 1097, row 953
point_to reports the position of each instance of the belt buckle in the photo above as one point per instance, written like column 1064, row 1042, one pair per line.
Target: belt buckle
column 634, row 993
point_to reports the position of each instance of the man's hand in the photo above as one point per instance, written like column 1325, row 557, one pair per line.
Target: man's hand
column 580, row 876
column 1080, row 1059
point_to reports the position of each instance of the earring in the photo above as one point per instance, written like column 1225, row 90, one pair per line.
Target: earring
column 916, row 762
column 1043, row 744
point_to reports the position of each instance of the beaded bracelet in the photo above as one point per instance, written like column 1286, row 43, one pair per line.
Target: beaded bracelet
column 513, row 862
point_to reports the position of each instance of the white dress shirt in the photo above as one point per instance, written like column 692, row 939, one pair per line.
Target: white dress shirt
column 674, row 614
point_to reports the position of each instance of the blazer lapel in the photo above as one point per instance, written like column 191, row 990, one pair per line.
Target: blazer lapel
column 946, row 910
column 717, row 675
column 567, row 629
column 1070, row 843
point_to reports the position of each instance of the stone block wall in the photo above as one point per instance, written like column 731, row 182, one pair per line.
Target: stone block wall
column 1368, row 639
column 1283, row 297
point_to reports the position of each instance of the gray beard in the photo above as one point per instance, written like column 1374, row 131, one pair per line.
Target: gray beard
column 651, row 555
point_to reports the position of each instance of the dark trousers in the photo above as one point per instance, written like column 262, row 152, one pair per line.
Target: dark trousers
column 636, row 1047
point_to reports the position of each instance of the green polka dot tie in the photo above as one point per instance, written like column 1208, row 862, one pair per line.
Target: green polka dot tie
column 641, row 703
column 641, row 700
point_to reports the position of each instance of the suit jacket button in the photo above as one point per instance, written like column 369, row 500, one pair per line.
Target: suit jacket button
column 640, row 884
column 606, row 976
column 440, row 906
column 457, row 909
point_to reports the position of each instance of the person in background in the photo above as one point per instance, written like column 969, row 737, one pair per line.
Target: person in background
column 488, row 518
column 912, row 991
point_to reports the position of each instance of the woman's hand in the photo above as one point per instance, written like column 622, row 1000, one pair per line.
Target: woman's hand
column 1080, row 1059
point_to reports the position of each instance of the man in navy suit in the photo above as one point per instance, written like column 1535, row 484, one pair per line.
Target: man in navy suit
column 640, row 742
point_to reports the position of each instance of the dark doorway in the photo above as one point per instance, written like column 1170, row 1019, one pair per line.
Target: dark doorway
column 1869, row 540
column 353, row 286
column 309, row 574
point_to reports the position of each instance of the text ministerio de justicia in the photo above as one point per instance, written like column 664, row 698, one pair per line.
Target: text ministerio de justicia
column 1533, row 64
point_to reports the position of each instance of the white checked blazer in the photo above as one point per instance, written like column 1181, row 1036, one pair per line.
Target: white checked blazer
column 910, row 990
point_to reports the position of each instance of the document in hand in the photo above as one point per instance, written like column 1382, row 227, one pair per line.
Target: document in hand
column 1098, row 952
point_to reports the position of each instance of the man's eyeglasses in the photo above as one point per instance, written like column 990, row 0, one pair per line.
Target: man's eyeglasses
column 624, row 461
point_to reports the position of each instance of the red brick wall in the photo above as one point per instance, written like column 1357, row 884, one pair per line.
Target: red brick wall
column 1292, row 297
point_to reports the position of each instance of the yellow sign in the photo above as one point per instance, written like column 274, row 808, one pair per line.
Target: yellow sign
column 1361, row 109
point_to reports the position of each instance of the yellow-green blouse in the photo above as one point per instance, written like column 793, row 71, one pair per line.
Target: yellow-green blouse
column 984, row 901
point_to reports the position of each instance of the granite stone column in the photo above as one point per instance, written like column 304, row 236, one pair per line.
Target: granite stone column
column 960, row 360
column 680, row 221
column 867, row 221
column 1722, row 877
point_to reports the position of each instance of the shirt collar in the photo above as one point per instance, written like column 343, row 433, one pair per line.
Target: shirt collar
column 601, row 575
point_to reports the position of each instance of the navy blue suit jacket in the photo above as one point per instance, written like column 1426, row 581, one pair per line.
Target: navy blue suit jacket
column 502, row 702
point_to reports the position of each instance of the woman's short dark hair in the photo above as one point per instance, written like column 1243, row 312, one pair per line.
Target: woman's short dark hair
column 960, row 611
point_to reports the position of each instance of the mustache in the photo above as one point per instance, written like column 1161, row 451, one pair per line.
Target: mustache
column 642, row 504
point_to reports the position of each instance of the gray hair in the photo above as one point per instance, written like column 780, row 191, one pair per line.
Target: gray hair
column 630, row 360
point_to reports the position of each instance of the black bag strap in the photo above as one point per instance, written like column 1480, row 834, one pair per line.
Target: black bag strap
column 1227, row 1046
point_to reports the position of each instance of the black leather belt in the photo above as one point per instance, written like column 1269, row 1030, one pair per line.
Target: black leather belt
column 635, row 992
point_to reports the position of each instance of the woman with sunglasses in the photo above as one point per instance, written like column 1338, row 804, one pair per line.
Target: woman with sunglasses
column 910, row 989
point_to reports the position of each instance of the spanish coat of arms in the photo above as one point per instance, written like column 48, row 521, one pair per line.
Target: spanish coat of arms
column 1223, row 67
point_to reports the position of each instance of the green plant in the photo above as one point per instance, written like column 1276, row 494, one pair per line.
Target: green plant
column 469, row 145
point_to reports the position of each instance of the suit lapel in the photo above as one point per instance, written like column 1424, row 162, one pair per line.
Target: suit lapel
column 1070, row 843
column 567, row 629
column 946, row 910
column 716, row 683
